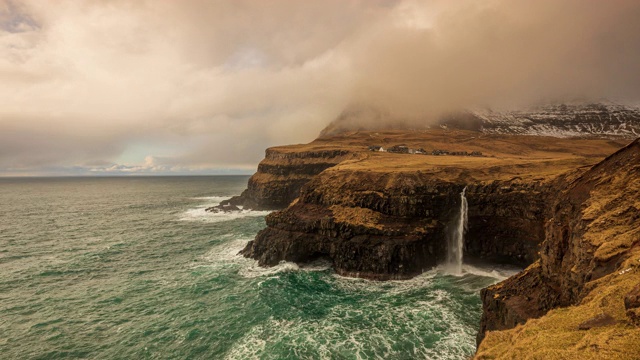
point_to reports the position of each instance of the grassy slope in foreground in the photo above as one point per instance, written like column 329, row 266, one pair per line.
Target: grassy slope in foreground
column 591, row 259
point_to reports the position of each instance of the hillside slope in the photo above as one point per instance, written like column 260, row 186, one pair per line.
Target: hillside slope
column 585, row 289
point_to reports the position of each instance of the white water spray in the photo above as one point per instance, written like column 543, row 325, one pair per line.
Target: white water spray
column 456, row 241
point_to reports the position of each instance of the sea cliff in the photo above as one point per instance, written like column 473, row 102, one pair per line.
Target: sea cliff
column 564, row 208
column 580, row 299
column 384, row 215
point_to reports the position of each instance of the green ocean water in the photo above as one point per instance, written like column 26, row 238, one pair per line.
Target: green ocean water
column 134, row 268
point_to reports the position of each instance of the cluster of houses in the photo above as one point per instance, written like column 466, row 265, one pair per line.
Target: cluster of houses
column 401, row 149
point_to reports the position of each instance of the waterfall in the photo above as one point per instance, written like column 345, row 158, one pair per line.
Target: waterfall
column 456, row 241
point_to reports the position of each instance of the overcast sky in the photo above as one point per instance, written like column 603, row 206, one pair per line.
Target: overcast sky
column 203, row 87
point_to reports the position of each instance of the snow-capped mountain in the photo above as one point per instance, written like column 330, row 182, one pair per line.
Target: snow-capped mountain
column 564, row 120
column 602, row 120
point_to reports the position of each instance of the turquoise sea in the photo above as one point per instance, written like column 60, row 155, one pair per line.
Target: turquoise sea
column 134, row 268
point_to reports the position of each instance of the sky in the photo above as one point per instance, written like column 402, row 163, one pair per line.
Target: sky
column 117, row 87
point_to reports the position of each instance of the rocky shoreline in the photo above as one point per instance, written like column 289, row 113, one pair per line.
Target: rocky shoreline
column 399, row 231
column 386, row 216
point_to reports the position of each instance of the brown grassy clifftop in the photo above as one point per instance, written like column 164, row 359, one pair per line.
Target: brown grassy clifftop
column 590, row 261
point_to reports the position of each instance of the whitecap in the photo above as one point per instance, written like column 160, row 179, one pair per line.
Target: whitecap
column 499, row 273
column 215, row 200
column 199, row 213
column 496, row 272
column 228, row 254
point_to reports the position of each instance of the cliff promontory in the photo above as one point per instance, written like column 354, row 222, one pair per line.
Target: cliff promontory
column 382, row 205
column 285, row 169
column 385, row 215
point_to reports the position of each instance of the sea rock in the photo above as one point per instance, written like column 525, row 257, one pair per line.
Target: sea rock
column 223, row 207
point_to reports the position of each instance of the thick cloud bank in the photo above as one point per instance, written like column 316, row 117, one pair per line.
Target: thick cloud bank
column 191, row 86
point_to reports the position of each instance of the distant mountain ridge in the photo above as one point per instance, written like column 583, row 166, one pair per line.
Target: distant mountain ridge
column 599, row 120
column 565, row 120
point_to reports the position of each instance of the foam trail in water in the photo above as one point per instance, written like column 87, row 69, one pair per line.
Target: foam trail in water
column 456, row 242
column 495, row 272
column 227, row 254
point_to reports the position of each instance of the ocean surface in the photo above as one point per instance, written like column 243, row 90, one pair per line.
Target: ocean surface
column 134, row 268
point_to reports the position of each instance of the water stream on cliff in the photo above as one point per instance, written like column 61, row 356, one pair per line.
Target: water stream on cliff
column 456, row 240
column 134, row 268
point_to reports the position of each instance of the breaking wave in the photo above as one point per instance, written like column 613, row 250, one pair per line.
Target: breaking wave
column 200, row 214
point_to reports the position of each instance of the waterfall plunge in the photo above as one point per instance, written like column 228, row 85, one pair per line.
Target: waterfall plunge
column 456, row 241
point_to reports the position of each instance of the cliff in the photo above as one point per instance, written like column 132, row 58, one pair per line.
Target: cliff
column 581, row 298
column 285, row 169
column 385, row 216
column 535, row 201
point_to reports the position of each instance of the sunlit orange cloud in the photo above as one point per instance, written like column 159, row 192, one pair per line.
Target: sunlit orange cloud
column 83, row 83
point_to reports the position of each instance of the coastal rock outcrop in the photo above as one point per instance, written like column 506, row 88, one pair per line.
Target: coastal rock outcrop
column 534, row 201
column 394, row 226
column 284, row 171
column 589, row 267
column 387, row 216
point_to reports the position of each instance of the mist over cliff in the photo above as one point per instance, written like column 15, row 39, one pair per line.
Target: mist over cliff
column 164, row 85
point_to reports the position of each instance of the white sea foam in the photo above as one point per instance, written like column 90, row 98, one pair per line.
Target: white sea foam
column 389, row 286
column 200, row 214
column 497, row 272
column 437, row 311
column 227, row 254
column 367, row 331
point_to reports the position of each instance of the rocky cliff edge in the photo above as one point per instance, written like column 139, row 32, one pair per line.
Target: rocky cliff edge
column 581, row 299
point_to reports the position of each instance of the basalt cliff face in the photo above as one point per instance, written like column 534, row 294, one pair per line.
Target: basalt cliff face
column 535, row 201
column 383, row 215
column 284, row 171
column 587, row 280
column 394, row 225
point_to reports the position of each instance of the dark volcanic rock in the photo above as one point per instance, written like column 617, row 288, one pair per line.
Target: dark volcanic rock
column 394, row 225
column 579, row 247
column 223, row 207
column 304, row 232
column 505, row 305
column 283, row 173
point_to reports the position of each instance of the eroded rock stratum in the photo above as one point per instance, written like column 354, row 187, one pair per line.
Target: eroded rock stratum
column 386, row 216
column 558, row 206
column 580, row 299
